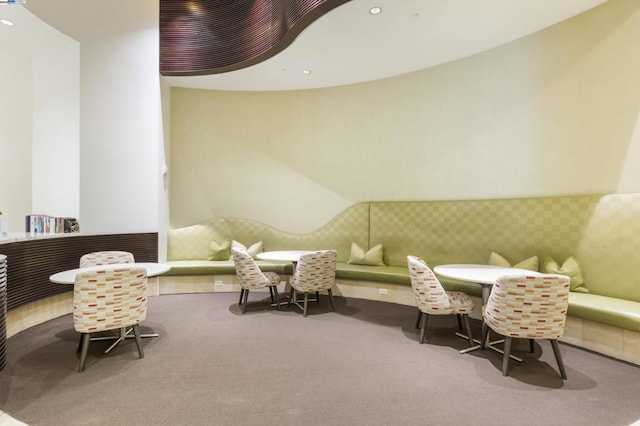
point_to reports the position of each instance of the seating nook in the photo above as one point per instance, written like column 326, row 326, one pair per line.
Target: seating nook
column 599, row 231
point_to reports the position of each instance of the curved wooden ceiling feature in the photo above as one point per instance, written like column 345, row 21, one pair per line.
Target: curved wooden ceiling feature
column 200, row 37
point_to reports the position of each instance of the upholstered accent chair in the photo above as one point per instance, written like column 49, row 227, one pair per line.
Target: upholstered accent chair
column 528, row 307
column 105, row 258
column 109, row 257
column 252, row 278
column 432, row 299
column 109, row 299
column 315, row 272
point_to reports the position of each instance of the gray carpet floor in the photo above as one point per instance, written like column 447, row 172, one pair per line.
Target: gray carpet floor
column 360, row 365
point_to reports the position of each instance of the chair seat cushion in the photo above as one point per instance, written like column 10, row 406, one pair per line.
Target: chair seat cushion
column 612, row 311
column 462, row 304
column 274, row 279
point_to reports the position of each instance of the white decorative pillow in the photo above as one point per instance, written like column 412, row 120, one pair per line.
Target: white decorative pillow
column 253, row 249
column 530, row 264
column 373, row 257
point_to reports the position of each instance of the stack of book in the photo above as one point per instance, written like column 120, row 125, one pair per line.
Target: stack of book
column 39, row 224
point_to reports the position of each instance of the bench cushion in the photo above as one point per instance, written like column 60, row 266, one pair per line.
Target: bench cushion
column 399, row 275
column 389, row 274
column 221, row 267
column 607, row 310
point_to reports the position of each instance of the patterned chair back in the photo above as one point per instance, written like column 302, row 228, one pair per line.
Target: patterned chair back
column 429, row 294
column 530, row 307
column 316, row 271
column 109, row 299
column 106, row 258
column 249, row 274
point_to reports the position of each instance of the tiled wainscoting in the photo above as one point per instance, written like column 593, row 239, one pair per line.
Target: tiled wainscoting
column 605, row 339
column 37, row 312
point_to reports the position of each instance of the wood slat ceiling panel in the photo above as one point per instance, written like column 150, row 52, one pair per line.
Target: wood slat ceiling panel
column 211, row 36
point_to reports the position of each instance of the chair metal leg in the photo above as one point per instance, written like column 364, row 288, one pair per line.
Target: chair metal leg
column 246, row 297
column 274, row 290
column 86, row 338
column 291, row 296
column 485, row 335
column 136, row 333
column 271, row 294
column 531, row 347
column 306, row 299
column 333, row 308
column 122, row 336
column 556, row 352
column 459, row 317
column 317, row 297
column 241, row 295
column 505, row 357
column 418, row 319
column 423, row 328
column 467, row 325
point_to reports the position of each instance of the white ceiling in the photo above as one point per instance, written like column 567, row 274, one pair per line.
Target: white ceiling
column 348, row 45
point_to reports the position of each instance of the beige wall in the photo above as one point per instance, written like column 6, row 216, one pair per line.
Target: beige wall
column 553, row 113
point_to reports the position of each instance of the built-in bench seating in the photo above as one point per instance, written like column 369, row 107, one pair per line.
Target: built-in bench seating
column 601, row 231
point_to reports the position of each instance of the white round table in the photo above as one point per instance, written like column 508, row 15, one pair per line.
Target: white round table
column 69, row 276
column 292, row 256
column 485, row 275
column 283, row 255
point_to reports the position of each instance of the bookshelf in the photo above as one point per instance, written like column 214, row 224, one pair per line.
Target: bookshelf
column 42, row 224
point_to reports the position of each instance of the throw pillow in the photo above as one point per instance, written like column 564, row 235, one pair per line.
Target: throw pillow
column 570, row 268
column 219, row 251
column 253, row 249
column 373, row 257
column 530, row 264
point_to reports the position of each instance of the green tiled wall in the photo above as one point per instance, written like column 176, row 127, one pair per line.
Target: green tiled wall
column 352, row 225
column 603, row 232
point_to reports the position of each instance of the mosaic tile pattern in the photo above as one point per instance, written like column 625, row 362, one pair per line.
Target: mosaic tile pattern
column 315, row 272
column 431, row 298
column 529, row 307
column 249, row 274
column 109, row 299
column 106, row 258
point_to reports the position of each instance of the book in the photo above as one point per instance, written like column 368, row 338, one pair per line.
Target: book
column 42, row 224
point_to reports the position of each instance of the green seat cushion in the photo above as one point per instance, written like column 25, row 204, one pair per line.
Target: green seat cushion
column 398, row 275
column 472, row 289
column 607, row 310
column 221, row 267
column 388, row 274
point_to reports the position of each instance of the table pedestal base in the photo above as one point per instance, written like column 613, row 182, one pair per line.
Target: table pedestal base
column 489, row 345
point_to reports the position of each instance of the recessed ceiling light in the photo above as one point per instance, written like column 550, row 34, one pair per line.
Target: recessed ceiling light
column 375, row 10
column 7, row 22
column 306, row 71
